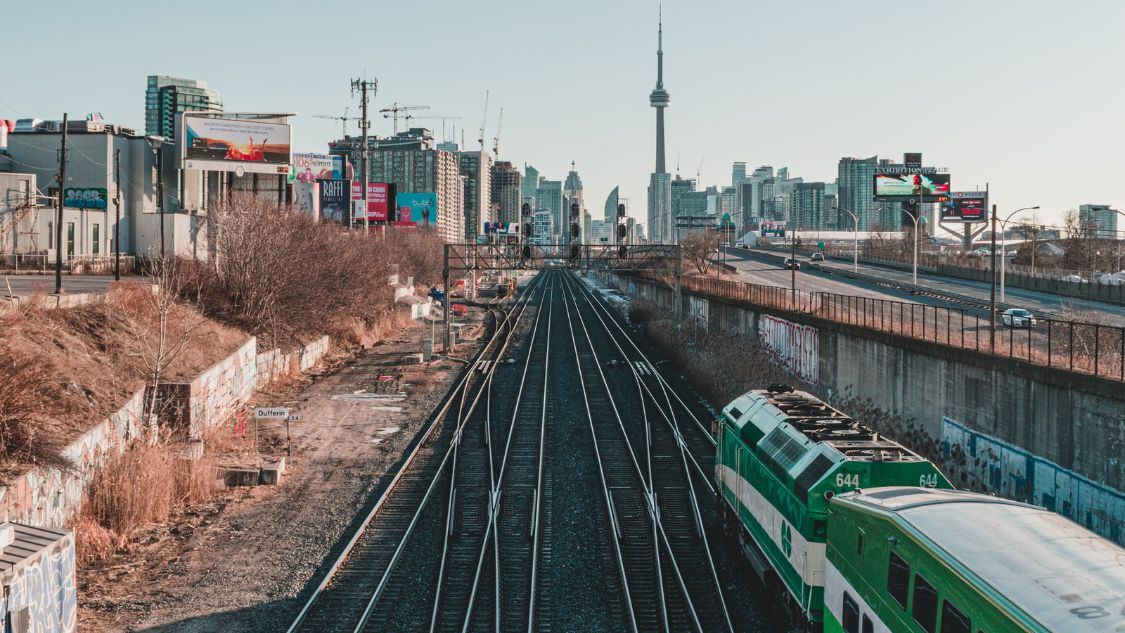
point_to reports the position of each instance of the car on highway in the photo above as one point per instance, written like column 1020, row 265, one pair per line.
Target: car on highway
column 792, row 263
column 1017, row 318
column 817, row 257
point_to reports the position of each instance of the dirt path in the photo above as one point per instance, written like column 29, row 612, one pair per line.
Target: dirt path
column 238, row 564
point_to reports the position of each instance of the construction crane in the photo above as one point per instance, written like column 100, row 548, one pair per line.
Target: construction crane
column 483, row 121
column 496, row 139
column 342, row 119
column 396, row 108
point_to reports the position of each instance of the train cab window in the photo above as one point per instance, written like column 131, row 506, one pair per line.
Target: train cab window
column 851, row 614
column 898, row 579
column 953, row 621
column 868, row 626
column 925, row 604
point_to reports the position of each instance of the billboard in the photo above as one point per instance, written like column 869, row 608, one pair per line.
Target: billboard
column 900, row 187
column 502, row 228
column 312, row 167
column 238, row 145
column 335, row 197
column 420, row 208
column 85, row 197
column 965, row 206
column 376, row 200
column 770, row 227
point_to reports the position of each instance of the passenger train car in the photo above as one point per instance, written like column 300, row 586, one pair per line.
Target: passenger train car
column 858, row 534
column 782, row 456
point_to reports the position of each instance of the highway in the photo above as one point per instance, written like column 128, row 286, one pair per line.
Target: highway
column 761, row 267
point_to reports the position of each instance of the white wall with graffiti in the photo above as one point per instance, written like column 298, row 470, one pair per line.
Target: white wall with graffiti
column 797, row 346
column 993, row 465
column 39, row 594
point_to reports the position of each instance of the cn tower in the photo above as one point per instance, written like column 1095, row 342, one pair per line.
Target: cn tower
column 659, row 98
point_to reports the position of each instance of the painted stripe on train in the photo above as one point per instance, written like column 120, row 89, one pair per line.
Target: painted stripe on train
column 807, row 558
column 834, row 587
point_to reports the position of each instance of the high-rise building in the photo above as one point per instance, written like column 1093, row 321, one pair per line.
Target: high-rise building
column 807, row 206
column 549, row 198
column 506, row 197
column 476, row 167
column 410, row 162
column 855, row 181
column 165, row 96
column 1098, row 220
column 530, row 185
column 737, row 174
column 609, row 213
column 542, row 228
column 659, row 187
column 660, row 221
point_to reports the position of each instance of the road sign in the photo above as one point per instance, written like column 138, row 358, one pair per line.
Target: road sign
column 820, row 245
column 271, row 413
column 293, row 418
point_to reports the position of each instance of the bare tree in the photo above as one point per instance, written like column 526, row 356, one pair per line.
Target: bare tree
column 696, row 249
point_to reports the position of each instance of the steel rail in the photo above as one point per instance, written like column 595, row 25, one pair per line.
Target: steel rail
column 406, row 464
column 370, row 607
column 654, row 509
column 491, row 529
column 685, row 454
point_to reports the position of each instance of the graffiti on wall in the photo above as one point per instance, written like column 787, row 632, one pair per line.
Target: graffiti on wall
column 45, row 587
column 796, row 346
column 995, row 466
column 697, row 310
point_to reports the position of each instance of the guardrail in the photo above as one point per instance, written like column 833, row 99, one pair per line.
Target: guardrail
column 1090, row 348
column 89, row 264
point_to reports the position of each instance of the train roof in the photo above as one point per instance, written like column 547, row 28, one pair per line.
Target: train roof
column 1046, row 565
column 782, row 416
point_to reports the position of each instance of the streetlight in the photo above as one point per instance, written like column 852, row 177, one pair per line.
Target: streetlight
column 1003, row 253
column 915, row 218
column 157, row 142
column 855, row 253
column 992, row 292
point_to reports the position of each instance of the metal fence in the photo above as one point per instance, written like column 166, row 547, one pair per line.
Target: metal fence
column 43, row 263
column 1091, row 348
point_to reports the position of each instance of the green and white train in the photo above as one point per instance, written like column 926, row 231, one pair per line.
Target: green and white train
column 856, row 533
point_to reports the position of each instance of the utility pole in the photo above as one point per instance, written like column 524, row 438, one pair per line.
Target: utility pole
column 59, row 214
column 117, row 216
column 793, row 266
column 992, row 293
column 362, row 85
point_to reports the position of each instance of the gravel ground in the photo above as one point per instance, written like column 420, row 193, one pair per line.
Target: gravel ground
column 245, row 562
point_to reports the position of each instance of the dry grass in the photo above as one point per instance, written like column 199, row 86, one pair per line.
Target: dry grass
column 144, row 485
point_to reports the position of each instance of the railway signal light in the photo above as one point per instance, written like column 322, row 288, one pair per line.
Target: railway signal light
column 621, row 232
column 525, row 252
column 527, row 229
column 574, row 230
column 620, row 209
column 622, row 250
column 525, row 209
column 575, row 252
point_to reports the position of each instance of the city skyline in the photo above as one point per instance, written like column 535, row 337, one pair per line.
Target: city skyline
column 799, row 87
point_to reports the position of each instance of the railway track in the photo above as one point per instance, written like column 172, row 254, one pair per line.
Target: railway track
column 347, row 597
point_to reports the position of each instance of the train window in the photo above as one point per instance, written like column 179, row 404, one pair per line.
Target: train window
column 898, row 579
column 851, row 614
column 925, row 604
column 953, row 621
column 868, row 626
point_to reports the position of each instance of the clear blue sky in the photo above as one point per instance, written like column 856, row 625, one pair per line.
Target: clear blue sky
column 1025, row 95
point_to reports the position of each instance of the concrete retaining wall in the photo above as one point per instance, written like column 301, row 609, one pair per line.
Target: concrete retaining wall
column 1074, row 420
column 51, row 496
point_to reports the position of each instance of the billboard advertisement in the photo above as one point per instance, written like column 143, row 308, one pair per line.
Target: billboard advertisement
column 965, row 206
column 502, row 228
column 900, row 187
column 376, row 200
column 419, row 208
column 335, row 198
column 238, row 145
column 312, row 167
column 774, row 228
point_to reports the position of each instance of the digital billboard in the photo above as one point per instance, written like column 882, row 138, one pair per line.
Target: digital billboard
column 376, row 200
column 238, row 145
column 900, row 187
column 420, row 208
column 335, row 197
column 965, row 206
column 312, row 167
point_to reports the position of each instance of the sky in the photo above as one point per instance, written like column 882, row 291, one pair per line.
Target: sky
column 1026, row 96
